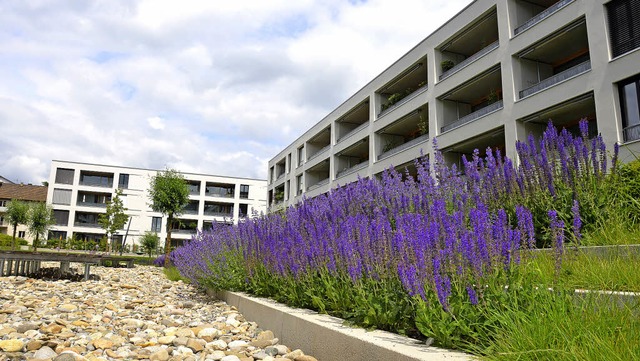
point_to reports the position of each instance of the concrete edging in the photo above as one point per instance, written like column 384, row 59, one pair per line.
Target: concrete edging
column 326, row 338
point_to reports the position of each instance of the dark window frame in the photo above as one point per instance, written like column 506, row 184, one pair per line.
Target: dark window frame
column 624, row 30
column 627, row 124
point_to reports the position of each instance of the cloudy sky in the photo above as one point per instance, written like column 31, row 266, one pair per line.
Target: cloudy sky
column 215, row 86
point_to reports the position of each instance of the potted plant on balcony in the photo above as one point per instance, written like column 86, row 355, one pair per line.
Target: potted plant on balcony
column 492, row 97
column 446, row 65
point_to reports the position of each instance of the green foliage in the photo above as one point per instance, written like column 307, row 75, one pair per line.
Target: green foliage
column 446, row 65
column 6, row 241
column 17, row 213
column 173, row 274
column 40, row 219
column 149, row 242
column 169, row 194
column 114, row 218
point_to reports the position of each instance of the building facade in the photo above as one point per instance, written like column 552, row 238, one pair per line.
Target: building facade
column 79, row 192
column 22, row 192
column 493, row 74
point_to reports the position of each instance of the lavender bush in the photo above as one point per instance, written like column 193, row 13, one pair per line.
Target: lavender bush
column 425, row 255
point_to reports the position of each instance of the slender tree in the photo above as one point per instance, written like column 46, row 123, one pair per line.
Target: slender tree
column 114, row 218
column 17, row 213
column 40, row 219
column 169, row 194
column 149, row 242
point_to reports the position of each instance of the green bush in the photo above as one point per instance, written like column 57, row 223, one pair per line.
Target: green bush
column 5, row 240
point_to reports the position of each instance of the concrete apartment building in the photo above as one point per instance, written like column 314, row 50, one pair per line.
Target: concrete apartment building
column 79, row 192
column 22, row 192
column 494, row 73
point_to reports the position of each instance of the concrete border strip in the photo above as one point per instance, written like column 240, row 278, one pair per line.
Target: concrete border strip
column 326, row 338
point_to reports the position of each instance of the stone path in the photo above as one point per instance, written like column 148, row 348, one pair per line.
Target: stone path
column 130, row 314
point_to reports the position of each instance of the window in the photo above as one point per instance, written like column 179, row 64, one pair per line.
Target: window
column 123, row 181
column 220, row 190
column 301, row 156
column 624, row 27
column 156, row 224
column 243, row 210
column 194, row 187
column 61, row 196
column 96, row 179
column 3, row 203
column 1, row 220
column 61, row 217
column 289, row 163
column 629, row 92
column 244, row 191
column 64, row 176
column 21, row 234
column 59, row 235
column 299, row 184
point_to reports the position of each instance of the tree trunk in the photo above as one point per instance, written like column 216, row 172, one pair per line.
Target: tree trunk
column 167, row 241
column 35, row 243
column 13, row 242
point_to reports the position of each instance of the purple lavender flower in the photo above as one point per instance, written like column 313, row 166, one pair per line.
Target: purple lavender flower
column 556, row 228
column 577, row 222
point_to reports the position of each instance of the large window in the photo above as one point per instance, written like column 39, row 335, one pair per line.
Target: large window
column 123, row 181
column 64, row 176
column 244, row 191
column 220, row 190
column 624, row 27
column 96, row 179
column 156, row 224
column 62, row 196
column 629, row 91
column 61, row 217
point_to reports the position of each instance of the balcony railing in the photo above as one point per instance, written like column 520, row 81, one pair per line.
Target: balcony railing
column 631, row 133
column 189, row 211
column 552, row 80
column 470, row 59
column 353, row 169
column 403, row 146
column 473, row 116
column 96, row 183
column 91, row 204
column 318, row 185
column 354, row 131
column 184, row 231
column 541, row 16
column 316, row 154
column 415, row 93
column 89, row 225
column 218, row 214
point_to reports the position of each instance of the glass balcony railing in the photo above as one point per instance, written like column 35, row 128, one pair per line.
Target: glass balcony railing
column 557, row 78
column 353, row 169
column 318, row 185
column 473, row 116
column 89, row 225
column 541, row 16
column 470, row 59
column 218, row 214
column 631, row 133
column 91, row 204
column 403, row 146
column 409, row 96
column 354, row 131
column 318, row 153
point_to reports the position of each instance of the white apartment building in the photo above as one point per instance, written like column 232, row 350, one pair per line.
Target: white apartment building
column 79, row 192
column 494, row 73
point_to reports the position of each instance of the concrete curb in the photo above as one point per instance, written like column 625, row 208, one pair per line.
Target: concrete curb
column 326, row 338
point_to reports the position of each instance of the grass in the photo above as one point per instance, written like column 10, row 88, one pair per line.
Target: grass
column 562, row 328
column 616, row 271
column 173, row 274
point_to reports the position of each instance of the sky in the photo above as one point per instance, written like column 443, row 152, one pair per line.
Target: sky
column 214, row 87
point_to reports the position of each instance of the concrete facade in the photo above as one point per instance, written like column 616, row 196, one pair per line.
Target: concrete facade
column 78, row 193
column 494, row 73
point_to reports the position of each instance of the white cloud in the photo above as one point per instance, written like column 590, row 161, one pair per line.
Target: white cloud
column 204, row 86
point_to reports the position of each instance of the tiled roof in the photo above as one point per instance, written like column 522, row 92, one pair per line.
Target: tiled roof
column 25, row 192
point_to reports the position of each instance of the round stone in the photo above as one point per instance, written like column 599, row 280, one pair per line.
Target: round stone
column 11, row 345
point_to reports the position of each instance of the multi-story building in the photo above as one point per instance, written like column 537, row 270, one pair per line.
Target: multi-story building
column 79, row 193
column 494, row 73
column 22, row 192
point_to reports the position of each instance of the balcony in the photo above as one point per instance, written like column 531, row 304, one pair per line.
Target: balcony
column 631, row 133
column 403, row 146
column 541, row 16
column 353, row 169
column 473, row 116
column 318, row 185
column 91, row 204
column 557, row 78
column 218, row 214
column 88, row 225
column 402, row 99
column 319, row 153
column 353, row 131
column 470, row 60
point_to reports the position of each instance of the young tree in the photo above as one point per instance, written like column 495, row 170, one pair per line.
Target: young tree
column 149, row 242
column 40, row 219
column 17, row 213
column 114, row 218
column 169, row 194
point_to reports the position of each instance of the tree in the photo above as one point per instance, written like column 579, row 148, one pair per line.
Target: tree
column 114, row 218
column 149, row 242
column 17, row 213
column 169, row 194
column 40, row 219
